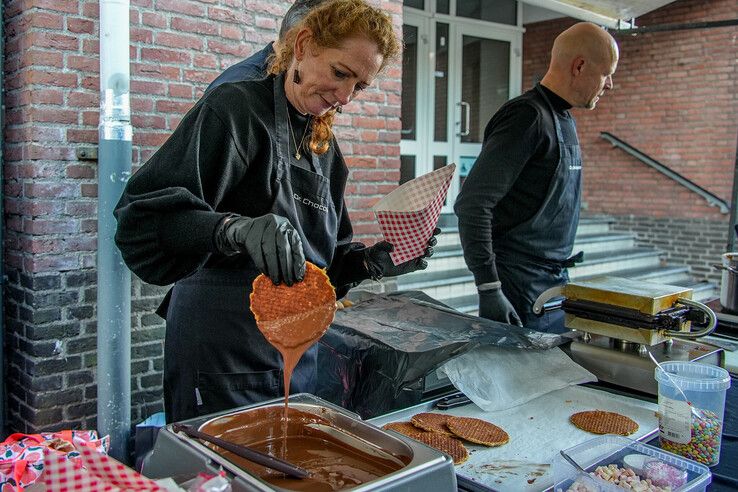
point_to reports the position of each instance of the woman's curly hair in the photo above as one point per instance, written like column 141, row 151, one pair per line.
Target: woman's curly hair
column 331, row 23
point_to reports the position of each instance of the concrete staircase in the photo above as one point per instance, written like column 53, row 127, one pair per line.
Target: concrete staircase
column 606, row 252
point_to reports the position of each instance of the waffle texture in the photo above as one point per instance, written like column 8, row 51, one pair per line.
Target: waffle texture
column 602, row 422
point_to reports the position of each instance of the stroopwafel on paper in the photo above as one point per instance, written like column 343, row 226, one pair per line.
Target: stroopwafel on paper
column 432, row 422
column 602, row 422
column 404, row 428
column 442, row 442
column 477, row 431
column 446, row 444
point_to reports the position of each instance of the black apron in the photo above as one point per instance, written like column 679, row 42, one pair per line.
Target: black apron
column 215, row 358
column 533, row 256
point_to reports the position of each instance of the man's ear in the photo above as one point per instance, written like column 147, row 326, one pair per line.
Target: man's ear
column 577, row 66
column 302, row 42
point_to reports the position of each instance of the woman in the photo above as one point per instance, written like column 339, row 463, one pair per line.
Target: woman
column 252, row 181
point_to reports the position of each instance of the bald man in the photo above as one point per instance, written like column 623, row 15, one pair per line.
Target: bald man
column 519, row 207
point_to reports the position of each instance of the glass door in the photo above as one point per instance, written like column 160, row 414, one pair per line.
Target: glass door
column 487, row 73
column 457, row 72
column 414, row 113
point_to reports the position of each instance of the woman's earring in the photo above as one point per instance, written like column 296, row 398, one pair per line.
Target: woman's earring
column 296, row 76
column 339, row 109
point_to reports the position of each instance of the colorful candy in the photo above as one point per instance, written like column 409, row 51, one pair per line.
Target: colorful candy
column 704, row 445
column 625, row 478
column 664, row 475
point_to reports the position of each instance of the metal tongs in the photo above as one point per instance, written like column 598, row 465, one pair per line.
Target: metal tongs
column 245, row 452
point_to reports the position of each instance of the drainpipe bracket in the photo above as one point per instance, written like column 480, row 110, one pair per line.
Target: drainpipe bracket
column 88, row 153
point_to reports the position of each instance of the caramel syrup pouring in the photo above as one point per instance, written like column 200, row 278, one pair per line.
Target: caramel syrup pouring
column 293, row 318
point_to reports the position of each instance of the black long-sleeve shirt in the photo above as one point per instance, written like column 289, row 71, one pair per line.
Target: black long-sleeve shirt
column 221, row 159
column 511, row 176
column 252, row 68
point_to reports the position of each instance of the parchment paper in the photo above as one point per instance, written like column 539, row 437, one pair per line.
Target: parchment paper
column 538, row 429
column 498, row 378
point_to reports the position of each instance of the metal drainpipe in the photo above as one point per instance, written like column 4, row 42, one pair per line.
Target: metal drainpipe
column 733, row 231
column 113, row 277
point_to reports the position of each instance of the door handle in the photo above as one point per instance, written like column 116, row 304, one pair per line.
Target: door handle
column 466, row 116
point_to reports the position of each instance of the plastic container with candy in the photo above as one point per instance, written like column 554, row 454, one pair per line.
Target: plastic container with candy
column 692, row 428
column 615, row 463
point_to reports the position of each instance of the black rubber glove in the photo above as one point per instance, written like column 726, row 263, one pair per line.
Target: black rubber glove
column 379, row 264
column 495, row 306
column 271, row 242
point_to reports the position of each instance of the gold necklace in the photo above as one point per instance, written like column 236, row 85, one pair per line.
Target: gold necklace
column 298, row 155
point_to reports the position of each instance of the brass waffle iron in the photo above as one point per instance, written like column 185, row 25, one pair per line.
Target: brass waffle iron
column 621, row 320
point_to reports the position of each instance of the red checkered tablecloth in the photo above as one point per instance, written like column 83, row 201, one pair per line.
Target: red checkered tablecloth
column 93, row 472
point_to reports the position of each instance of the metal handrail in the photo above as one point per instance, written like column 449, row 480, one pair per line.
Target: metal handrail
column 712, row 199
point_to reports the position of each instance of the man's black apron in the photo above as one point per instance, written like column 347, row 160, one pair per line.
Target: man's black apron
column 533, row 256
column 215, row 358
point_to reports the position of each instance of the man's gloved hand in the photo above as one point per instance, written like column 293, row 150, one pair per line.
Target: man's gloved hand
column 271, row 242
column 379, row 264
column 495, row 306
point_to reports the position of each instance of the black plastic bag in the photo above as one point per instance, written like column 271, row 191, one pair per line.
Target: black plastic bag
column 376, row 354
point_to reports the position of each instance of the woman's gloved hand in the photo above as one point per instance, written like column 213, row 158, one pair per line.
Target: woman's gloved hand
column 495, row 306
column 271, row 242
column 379, row 264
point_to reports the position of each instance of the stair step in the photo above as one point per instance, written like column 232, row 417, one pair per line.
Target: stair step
column 445, row 291
column 449, row 236
column 451, row 260
column 465, row 303
column 427, row 278
column 609, row 263
column 448, row 254
column 662, row 274
column 601, row 242
column 701, row 290
column 594, row 225
column 441, row 285
column 587, row 234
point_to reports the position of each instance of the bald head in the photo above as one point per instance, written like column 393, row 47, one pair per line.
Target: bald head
column 583, row 59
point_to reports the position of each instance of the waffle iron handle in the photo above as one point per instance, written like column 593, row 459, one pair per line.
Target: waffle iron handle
column 539, row 306
column 709, row 327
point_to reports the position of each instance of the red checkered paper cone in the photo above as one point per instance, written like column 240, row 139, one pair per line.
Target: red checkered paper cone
column 408, row 215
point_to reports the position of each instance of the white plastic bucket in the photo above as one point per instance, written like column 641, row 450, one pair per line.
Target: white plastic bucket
column 692, row 434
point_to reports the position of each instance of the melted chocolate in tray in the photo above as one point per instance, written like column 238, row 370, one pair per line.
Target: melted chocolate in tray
column 334, row 459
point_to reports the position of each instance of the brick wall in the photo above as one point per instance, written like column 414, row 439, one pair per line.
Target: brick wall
column 52, row 99
column 695, row 242
column 675, row 99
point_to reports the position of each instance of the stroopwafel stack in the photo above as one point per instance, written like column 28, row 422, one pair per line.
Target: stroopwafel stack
column 477, row 431
column 446, row 444
column 602, row 422
column 431, row 422
column 405, row 428
column 440, row 431
column 442, row 442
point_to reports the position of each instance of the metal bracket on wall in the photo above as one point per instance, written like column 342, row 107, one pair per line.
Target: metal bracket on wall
column 87, row 153
column 712, row 199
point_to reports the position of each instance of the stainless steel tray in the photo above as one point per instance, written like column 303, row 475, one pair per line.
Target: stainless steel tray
column 538, row 430
column 178, row 455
